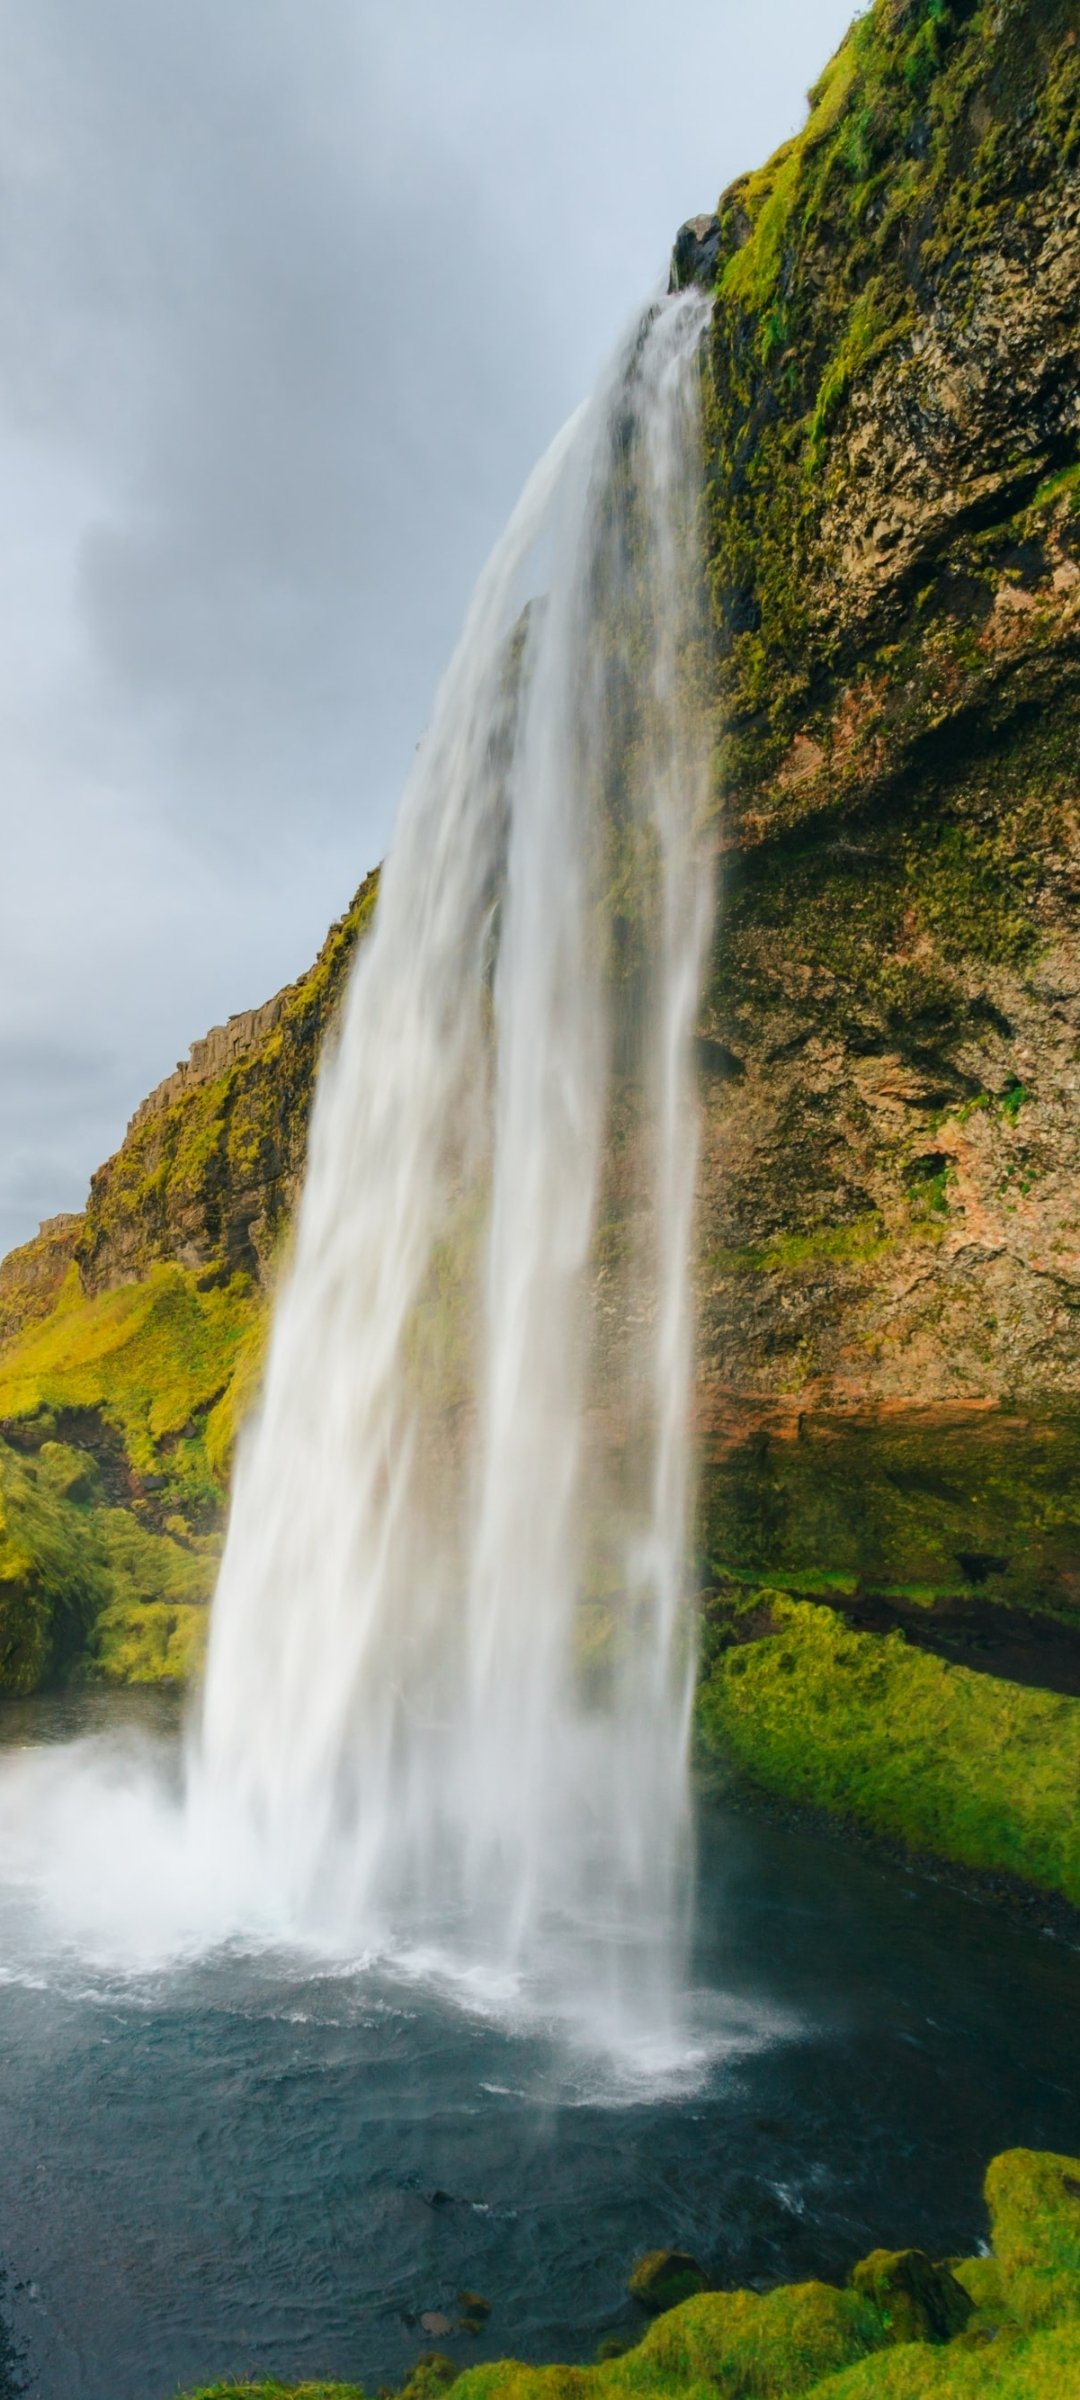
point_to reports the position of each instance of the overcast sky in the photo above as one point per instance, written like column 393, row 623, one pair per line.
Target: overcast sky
column 292, row 294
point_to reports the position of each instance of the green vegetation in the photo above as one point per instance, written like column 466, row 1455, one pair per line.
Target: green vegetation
column 946, row 1505
column 210, row 1175
column 903, row 2329
column 151, row 1358
column 116, row 1414
column 931, row 135
column 867, row 1727
column 124, row 1375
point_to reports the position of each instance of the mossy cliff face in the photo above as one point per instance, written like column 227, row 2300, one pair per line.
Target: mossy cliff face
column 890, row 1218
column 130, row 1344
column 212, row 1161
column 1005, row 2326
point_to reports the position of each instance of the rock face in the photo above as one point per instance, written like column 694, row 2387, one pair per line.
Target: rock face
column 891, row 1199
column 890, row 1213
column 212, row 1160
column 31, row 1276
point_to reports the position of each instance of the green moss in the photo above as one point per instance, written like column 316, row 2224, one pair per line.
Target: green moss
column 907, row 1504
column 926, row 135
column 864, row 1726
column 1034, row 2201
column 139, row 1642
column 841, row 1245
column 741, row 2345
column 1005, row 2367
column 86, row 1588
column 279, row 2391
column 152, row 1357
column 109, row 1545
column 211, row 1172
column 918, row 2300
column 981, row 2280
column 53, row 1572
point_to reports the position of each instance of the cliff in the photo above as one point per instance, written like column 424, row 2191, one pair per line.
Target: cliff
column 890, row 1223
column 889, row 1227
column 130, row 1340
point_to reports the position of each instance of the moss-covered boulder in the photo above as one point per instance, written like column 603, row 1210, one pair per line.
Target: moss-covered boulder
column 1034, row 2202
column 664, row 2278
column 919, row 2301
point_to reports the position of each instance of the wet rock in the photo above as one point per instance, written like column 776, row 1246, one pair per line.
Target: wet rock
column 432, row 2375
column 475, row 2311
column 920, row 2302
column 693, row 259
column 663, row 2278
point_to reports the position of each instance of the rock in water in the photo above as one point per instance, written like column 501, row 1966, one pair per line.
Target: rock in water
column 663, row 2278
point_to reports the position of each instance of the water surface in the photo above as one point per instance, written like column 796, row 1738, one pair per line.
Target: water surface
column 261, row 2164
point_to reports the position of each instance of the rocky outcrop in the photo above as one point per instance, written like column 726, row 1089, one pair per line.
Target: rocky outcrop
column 211, row 1163
column 890, row 1222
column 31, row 1277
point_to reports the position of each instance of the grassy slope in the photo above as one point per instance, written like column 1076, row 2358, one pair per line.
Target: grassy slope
column 813, row 2342
column 118, row 1414
column 123, row 1374
column 945, row 1760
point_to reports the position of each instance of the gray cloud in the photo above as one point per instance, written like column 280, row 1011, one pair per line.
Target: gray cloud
column 290, row 299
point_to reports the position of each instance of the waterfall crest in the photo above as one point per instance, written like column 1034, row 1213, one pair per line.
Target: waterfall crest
column 451, row 1653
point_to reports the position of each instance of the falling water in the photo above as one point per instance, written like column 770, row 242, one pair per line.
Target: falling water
column 451, row 1654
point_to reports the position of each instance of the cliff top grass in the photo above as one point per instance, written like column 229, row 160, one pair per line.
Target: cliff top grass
column 944, row 1760
column 1017, row 2337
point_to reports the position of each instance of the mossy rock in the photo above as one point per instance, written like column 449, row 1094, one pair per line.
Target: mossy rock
column 920, row 2302
column 663, row 2278
column 1034, row 2202
column 433, row 2373
column 740, row 2345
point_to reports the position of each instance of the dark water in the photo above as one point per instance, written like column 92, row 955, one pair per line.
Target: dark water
column 251, row 2167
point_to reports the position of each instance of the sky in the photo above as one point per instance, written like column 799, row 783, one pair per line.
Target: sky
column 291, row 298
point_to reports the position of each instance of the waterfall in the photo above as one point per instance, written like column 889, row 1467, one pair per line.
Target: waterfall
column 451, row 1653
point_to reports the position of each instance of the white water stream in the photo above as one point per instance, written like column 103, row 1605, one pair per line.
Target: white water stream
column 446, row 1707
